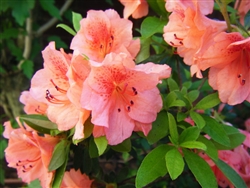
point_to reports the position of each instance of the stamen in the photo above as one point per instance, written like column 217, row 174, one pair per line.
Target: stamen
column 134, row 91
column 128, row 108
column 177, row 38
column 52, row 99
column 242, row 80
column 119, row 110
column 39, row 111
column 132, row 102
column 58, row 88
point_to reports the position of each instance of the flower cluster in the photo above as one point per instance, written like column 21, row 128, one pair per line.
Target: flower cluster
column 203, row 43
column 98, row 91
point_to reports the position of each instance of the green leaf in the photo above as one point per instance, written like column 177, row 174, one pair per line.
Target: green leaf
column 125, row 146
column 34, row 183
column 189, row 134
column 3, row 145
column 39, row 122
column 207, row 102
column 76, row 18
column 2, row 174
column 211, row 150
column 144, row 52
column 230, row 173
column 28, row 68
column 146, row 27
column 235, row 140
column 193, row 145
column 159, row 128
column 215, row 130
column 177, row 103
column 172, row 84
column 15, row 50
column 59, row 155
column 9, row 33
column 173, row 129
column 48, row 5
column 152, row 166
column 4, row 6
column 193, row 95
column 67, row 28
column 158, row 6
column 199, row 121
column 101, row 144
column 174, row 162
column 181, row 116
column 93, row 151
column 58, row 177
column 201, row 169
column 20, row 9
column 170, row 98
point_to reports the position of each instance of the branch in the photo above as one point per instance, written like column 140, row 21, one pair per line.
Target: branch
column 27, row 41
column 52, row 21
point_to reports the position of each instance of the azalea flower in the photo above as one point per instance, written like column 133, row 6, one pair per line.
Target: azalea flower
column 30, row 154
column 32, row 106
column 119, row 94
column 229, row 59
column 57, row 85
column 206, row 7
column 103, row 32
column 191, row 33
column 136, row 8
column 75, row 179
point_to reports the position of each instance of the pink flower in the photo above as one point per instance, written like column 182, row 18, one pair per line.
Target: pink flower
column 103, row 32
column 75, row 179
column 32, row 106
column 243, row 6
column 59, row 86
column 30, row 154
column 136, row 8
column 121, row 94
column 247, row 124
column 206, row 7
column 229, row 59
column 192, row 33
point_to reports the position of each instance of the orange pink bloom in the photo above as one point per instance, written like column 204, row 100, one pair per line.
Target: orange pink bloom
column 243, row 6
column 191, row 33
column 30, row 154
column 136, row 8
column 75, row 179
column 117, row 98
column 103, row 32
column 229, row 59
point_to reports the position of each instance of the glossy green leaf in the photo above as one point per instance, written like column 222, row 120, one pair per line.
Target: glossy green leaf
column 177, row 103
column 101, row 144
column 189, row 134
column 9, row 33
column 215, row 130
column 170, row 98
column 58, row 177
column 144, row 52
column 158, row 6
column 146, row 27
column 199, row 121
column 193, row 145
column 152, row 166
column 211, row 150
column 76, row 18
column 39, row 122
column 125, row 146
column 207, row 102
column 35, row 183
column 67, row 28
column 172, row 84
column 28, row 68
column 193, row 95
column 173, row 129
column 159, row 128
column 174, row 162
column 59, row 155
column 48, row 5
column 234, row 139
column 201, row 169
column 181, row 116
column 93, row 151
column 231, row 174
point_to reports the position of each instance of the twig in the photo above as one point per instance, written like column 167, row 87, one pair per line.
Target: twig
column 52, row 21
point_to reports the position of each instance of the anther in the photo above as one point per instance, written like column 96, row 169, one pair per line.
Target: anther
column 58, row 88
column 119, row 109
column 132, row 102
column 128, row 108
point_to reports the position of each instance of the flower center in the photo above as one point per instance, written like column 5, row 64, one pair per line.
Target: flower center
column 51, row 98
column 106, row 46
column 178, row 41
column 27, row 164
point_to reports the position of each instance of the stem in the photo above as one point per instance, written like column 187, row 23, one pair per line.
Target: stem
column 223, row 8
column 52, row 21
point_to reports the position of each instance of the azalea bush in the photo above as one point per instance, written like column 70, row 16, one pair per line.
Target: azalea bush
column 164, row 104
